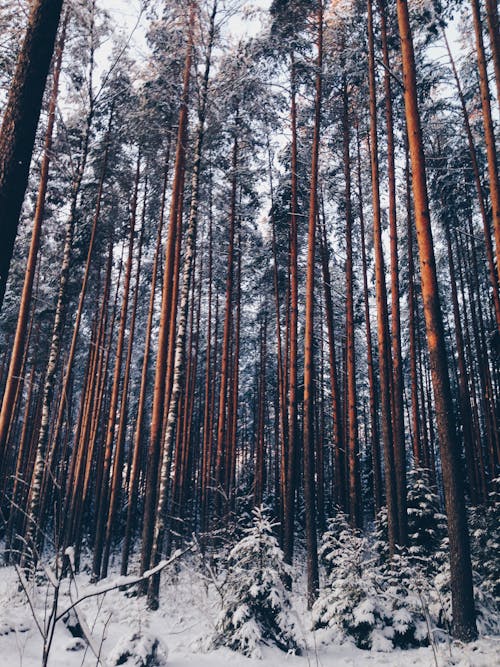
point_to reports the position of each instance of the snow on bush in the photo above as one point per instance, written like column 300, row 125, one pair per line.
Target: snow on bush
column 426, row 523
column 439, row 602
column 359, row 602
column 256, row 607
column 138, row 649
column 484, row 523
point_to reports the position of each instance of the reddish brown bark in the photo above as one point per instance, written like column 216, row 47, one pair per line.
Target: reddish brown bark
column 20, row 120
column 464, row 624
column 308, row 410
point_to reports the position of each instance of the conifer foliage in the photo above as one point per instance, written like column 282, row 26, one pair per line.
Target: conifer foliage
column 256, row 607
column 360, row 602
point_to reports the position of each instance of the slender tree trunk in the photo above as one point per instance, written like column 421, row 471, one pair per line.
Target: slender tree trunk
column 282, row 441
column 494, row 32
column 29, row 276
column 308, row 435
column 209, row 389
column 234, row 394
column 489, row 131
column 116, row 480
column 397, row 361
column 138, row 440
column 464, row 623
column 355, row 514
column 480, row 196
column 463, row 381
column 293, row 436
column 154, row 449
column 260, row 447
column 381, row 295
column 338, row 440
column 415, row 415
column 374, row 427
column 109, row 441
column 180, row 340
column 226, row 338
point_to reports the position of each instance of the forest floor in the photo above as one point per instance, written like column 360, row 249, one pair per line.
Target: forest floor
column 184, row 623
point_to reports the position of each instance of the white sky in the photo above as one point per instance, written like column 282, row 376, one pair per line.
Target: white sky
column 244, row 22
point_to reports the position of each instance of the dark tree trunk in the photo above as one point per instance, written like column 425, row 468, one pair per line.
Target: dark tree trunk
column 17, row 136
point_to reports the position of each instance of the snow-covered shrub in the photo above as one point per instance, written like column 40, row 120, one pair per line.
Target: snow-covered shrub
column 138, row 649
column 426, row 523
column 256, row 606
column 439, row 597
column 350, row 606
column 403, row 587
column 484, row 525
column 361, row 601
column 381, row 535
column 330, row 542
column 426, row 526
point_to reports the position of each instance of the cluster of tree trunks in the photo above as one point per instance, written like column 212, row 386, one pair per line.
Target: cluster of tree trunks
column 172, row 460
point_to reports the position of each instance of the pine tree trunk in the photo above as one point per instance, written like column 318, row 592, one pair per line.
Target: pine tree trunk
column 489, row 131
column 397, row 361
column 480, row 196
column 494, row 32
column 226, row 337
column 308, row 435
column 291, row 482
column 464, row 624
column 415, row 415
column 381, row 295
column 29, row 276
column 116, row 481
column 338, row 440
column 180, row 339
column 20, row 120
column 209, row 389
column 374, row 427
column 463, row 381
column 158, row 406
column 105, row 497
column 139, row 424
column 355, row 515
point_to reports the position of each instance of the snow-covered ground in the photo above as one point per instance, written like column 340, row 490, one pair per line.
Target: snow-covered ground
column 183, row 623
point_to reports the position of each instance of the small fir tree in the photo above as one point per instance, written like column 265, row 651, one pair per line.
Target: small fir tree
column 484, row 525
column 256, row 608
column 426, row 523
column 361, row 602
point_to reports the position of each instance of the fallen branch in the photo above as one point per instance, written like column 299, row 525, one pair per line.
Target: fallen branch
column 126, row 582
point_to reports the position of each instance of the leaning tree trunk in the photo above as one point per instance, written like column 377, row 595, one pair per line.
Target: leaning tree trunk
column 464, row 623
column 489, row 130
column 17, row 135
column 29, row 276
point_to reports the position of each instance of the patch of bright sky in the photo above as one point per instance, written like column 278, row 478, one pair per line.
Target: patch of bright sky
column 239, row 19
